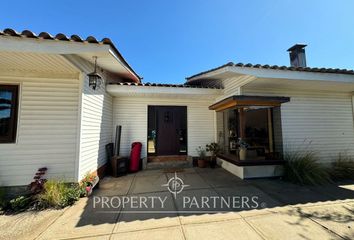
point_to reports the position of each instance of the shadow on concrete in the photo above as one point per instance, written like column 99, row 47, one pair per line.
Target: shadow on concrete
column 209, row 184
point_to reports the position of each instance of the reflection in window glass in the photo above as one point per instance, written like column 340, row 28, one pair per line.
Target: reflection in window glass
column 151, row 130
column 258, row 131
column 8, row 113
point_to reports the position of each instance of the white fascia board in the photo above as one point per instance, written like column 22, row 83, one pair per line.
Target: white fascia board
column 19, row 44
column 212, row 74
column 114, row 55
column 281, row 74
column 293, row 75
column 117, row 90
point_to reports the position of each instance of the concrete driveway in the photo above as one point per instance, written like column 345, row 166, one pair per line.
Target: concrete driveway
column 282, row 211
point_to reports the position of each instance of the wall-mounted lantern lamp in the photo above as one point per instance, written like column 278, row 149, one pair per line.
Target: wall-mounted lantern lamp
column 95, row 80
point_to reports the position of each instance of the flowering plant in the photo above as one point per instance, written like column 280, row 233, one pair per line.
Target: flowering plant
column 88, row 179
column 87, row 183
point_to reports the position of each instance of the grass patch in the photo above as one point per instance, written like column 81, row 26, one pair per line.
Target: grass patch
column 342, row 168
column 302, row 168
column 3, row 201
column 58, row 194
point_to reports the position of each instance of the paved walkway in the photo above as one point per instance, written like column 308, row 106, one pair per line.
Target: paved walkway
column 284, row 211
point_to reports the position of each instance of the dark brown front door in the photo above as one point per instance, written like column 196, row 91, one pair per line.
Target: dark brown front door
column 171, row 125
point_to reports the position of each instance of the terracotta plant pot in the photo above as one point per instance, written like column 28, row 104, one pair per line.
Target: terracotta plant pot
column 201, row 163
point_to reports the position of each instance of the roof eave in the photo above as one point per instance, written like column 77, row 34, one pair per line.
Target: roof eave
column 60, row 44
column 251, row 69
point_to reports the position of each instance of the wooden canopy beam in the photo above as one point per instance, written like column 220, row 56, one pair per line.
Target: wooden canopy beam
column 245, row 101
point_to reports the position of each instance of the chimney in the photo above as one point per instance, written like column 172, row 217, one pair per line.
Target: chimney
column 297, row 55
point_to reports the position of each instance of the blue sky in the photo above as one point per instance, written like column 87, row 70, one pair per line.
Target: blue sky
column 166, row 41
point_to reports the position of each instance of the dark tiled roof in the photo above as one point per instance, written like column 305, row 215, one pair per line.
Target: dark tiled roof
column 63, row 37
column 162, row 85
column 275, row 67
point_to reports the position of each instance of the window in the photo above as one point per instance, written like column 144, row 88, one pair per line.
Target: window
column 258, row 126
column 8, row 113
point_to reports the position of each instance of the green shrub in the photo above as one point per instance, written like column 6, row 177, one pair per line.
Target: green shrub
column 342, row 168
column 302, row 167
column 19, row 203
column 58, row 194
column 3, row 201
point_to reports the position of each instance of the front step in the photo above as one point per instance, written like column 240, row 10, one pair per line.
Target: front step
column 168, row 165
column 167, row 158
column 172, row 164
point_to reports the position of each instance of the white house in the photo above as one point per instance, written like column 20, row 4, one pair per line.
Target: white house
column 51, row 116
column 55, row 119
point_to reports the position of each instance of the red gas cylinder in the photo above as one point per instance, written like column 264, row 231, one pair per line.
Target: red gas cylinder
column 135, row 156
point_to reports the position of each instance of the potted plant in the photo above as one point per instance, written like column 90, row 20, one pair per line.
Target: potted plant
column 214, row 149
column 201, row 157
column 243, row 149
column 89, row 182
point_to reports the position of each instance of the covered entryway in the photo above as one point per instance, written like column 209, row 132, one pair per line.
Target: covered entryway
column 167, row 130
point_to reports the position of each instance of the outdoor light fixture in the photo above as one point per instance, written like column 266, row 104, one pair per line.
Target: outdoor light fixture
column 94, row 79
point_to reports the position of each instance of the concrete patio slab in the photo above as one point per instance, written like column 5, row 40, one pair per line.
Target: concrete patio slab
column 141, row 219
column 255, row 212
column 235, row 229
column 288, row 193
column 151, row 183
column 186, row 206
column 180, row 170
column 110, row 186
column 173, row 233
column 324, row 212
column 194, row 181
column 98, row 237
column 209, row 170
column 208, row 217
column 285, row 226
column 218, row 178
column 336, row 217
column 17, row 226
column 250, row 197
column 152, row 172
column 81, row 220
column 336, row 191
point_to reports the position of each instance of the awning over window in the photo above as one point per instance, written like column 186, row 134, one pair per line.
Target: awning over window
column 245, row 101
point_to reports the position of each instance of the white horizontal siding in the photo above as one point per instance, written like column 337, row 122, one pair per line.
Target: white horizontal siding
column 47, row 131
column 96, row 128
column 232, row 86
column 323, row 119
column 131, row 113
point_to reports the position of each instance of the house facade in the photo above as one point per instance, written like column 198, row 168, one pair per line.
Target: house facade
column 52, row 117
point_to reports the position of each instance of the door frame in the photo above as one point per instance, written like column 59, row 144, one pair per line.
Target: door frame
column 147, row 128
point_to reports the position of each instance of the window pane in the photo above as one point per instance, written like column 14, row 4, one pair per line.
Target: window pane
column 257, row 133
column 261, row 130
column 151, row 130
column 8, row 108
